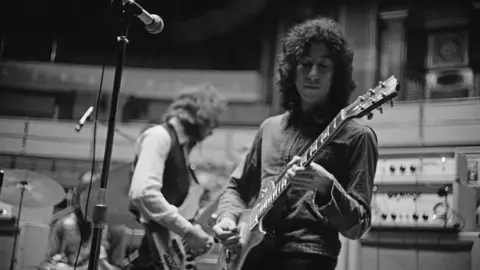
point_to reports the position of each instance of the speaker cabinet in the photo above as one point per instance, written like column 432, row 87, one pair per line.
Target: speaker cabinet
column 449, row 83
column 447, row 49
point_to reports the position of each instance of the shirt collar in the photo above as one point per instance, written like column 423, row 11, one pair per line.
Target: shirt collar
column 182, row 137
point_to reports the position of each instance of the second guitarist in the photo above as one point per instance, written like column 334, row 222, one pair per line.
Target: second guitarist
column 332, row 195
column 161, row 177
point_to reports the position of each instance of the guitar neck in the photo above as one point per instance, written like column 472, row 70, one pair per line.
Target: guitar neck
column 206, row 219
column 307, row 155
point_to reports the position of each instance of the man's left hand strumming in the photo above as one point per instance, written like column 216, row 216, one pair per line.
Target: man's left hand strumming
column 313, row 177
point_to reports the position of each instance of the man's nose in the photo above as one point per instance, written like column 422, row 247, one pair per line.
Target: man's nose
column 313, row 74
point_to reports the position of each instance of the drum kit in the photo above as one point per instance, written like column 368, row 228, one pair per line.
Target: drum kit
column 23, row 188
column 29, row 189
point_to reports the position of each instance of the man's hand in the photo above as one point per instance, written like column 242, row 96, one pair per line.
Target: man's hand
column 197, row 239
column 314, row 177
column 227, row 233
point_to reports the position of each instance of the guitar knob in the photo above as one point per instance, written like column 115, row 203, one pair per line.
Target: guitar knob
column 214, row 217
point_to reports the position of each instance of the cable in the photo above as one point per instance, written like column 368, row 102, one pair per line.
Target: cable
column 92, row 171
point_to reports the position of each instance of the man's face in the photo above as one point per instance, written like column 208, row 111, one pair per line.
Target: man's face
column 313, row 78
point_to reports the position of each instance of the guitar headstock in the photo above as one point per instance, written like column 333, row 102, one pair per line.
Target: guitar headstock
column 373, row 99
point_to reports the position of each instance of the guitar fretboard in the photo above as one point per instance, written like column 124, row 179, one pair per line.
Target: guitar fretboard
column 281, row 184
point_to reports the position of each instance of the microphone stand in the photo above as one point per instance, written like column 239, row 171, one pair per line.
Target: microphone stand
column 100, row 210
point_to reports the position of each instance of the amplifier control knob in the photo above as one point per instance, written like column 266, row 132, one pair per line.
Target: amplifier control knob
column 425, row 216
column 413, row 168
column 392, row 169
column 393, row 216
column 402, row 168
column 384, row 216
column 415, row 216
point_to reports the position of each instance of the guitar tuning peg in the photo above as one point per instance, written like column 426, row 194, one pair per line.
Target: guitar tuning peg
column 370, row 116
column 371, row 91
column 382, row 84
column 391, row 103
column 380, row 109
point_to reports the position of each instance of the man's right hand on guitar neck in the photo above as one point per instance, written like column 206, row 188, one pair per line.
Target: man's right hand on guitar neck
column 227, row 233
column 197, row 239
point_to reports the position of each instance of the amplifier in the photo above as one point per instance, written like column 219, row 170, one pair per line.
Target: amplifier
column 8, row 225
column 408, row 170
column 423, row 192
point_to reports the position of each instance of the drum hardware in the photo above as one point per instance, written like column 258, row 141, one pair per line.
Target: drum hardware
column 29, row 189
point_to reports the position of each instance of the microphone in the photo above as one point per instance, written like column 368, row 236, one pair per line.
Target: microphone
column 153, row 23
column 84, row 118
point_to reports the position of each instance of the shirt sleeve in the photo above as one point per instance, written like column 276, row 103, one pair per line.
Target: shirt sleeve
column 147, row 181
column 244, row 183
column 348, row 209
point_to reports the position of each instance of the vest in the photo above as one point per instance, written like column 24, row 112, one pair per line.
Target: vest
column 176, row 176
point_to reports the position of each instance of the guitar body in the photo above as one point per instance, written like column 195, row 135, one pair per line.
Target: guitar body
column 244, row 258
column 169, row 247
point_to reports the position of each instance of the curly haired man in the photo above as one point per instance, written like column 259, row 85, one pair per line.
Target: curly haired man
column 331, row 196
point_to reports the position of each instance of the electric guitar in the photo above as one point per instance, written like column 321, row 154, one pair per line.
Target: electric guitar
column 250, row 224
column 170, row 247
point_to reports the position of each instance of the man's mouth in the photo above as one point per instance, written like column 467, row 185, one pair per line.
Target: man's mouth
column 310, row 86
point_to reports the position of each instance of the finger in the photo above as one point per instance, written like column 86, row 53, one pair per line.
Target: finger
column 231, row 240
column 290, row 173
column 226, row 234
column 316, row 167
column 304, row 177
column 294, row 160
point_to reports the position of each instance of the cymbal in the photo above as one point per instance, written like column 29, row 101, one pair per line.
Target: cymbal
column 40, row 190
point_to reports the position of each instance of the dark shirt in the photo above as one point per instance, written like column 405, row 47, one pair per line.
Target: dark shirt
column 310, row 223
column 69, row 230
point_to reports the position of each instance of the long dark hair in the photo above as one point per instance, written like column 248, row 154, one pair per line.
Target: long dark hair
column 295, row 45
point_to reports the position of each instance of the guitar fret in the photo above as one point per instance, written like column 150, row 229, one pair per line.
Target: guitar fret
column 314, row 146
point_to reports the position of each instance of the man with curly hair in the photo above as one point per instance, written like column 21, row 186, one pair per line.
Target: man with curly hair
column 162, row 175
column 330, row 196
